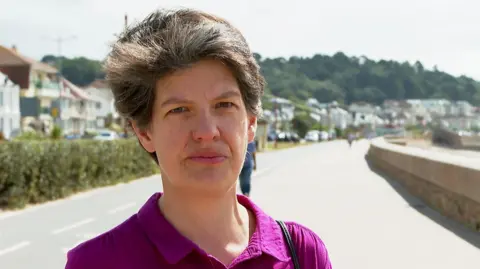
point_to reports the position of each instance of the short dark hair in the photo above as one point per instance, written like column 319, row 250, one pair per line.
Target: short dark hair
column 170, row 40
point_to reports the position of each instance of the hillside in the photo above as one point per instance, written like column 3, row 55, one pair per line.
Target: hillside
column 349, row 79
column 327, row 78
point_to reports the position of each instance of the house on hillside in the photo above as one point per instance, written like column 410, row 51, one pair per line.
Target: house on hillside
column 365, row 114
column 101, row 93
column 9, row 107
column 398, row 113
column 330, row 115
column 419, row 111
column 39, row 87
column 316, row 112
column 76, row 110
column 283, row 111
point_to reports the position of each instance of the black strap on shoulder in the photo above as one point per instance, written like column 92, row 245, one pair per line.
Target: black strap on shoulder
column 287, row 236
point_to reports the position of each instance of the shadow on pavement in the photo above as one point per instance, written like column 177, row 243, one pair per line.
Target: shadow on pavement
column 455, row 227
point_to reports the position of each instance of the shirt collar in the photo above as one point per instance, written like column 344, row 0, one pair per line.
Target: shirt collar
column 267, row 238
column 169, row 242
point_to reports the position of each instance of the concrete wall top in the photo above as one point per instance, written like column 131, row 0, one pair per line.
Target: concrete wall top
column 441, row 157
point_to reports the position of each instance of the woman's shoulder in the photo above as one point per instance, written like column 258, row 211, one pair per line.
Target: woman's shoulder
column 105, row 250
column 309, row 246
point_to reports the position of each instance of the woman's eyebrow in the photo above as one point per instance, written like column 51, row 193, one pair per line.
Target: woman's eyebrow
column 228, row 94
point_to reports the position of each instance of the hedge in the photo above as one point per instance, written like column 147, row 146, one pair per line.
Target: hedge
column 39, row 171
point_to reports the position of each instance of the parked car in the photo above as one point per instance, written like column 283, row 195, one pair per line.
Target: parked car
column 106, row 135
column 312, row 136
column 288, row 137
column 324, row 136
column 72, row 136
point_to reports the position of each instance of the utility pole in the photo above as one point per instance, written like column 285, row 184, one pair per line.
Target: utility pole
column 60, row 40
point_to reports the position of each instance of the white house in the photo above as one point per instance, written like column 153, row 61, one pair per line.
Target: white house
column 104, row 101
column 365, row 114
column 77, row 111
column 464, row 108
column 9, row 107
column 340, row 117
column 39, row 86
column 329, row 114
column 283, row 111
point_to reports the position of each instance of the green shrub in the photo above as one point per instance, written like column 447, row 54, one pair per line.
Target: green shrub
column 339, row 133
column 56, row 133
column 39, row 171
column 30, row 135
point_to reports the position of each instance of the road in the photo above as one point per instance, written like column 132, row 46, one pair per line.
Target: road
column 366, row 221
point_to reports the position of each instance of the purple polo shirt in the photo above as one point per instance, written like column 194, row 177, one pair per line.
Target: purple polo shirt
column 148, row 241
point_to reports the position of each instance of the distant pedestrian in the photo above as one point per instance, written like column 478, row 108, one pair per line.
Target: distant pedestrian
column 351, row 138
column 249, row 166
column 192, row 90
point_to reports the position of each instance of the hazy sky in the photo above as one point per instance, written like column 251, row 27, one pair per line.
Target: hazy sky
column 440, row 32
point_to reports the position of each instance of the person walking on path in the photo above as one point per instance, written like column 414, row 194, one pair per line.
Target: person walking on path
column 191, row 88
column 350, row 138
column 249, row 166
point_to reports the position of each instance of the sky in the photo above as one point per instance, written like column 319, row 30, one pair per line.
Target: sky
column 442, row 33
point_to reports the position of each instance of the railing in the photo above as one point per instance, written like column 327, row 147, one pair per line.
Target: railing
column 47, row 88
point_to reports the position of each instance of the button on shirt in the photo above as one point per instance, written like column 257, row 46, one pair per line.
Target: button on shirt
column 148, row 241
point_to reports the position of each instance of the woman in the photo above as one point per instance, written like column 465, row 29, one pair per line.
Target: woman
column 191, row 88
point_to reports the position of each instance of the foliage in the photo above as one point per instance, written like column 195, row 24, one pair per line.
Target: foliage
column 2, row 137
column 56, row 133
column 330, row 78
column 39, row 171
column 30, row 135
column 302, row 123
column 80, row 70
column 340, row 133
column 319, row 127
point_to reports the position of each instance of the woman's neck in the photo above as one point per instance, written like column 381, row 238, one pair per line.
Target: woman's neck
column 220, row 225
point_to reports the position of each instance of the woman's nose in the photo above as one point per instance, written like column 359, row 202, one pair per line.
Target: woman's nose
column 205, row 128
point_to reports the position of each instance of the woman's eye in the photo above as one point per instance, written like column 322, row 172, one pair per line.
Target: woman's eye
column 225, row 105
column 178, row 110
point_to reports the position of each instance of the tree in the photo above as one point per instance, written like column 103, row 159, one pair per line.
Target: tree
column 302, row 123
column 338, row 78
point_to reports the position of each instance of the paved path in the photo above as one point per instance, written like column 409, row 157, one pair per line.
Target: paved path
column 365, row 221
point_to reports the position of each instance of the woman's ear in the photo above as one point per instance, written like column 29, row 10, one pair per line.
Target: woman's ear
column 145, row 136
column 252, row 128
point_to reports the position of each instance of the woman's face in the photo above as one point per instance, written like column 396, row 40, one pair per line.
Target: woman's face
column 200, row 128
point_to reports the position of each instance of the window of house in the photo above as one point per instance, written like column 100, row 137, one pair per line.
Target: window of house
column 1, row 98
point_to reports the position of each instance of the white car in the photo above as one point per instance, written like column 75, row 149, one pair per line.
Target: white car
column 312, row 136
column 106, row 135
column 324, row 136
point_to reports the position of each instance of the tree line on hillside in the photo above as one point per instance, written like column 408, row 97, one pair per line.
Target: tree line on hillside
column 80, row 71
column 330, row 78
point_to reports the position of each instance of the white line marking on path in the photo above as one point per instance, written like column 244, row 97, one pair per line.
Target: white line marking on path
column 14, row 248
column 9, row 214
column 121, row 208
column 73, row 226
